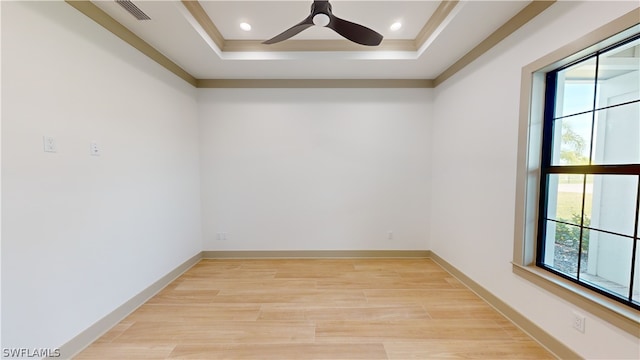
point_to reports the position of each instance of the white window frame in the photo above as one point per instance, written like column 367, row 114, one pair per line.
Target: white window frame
column 528, row 175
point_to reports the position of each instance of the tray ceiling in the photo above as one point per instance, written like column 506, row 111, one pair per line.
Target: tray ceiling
column 204, row 39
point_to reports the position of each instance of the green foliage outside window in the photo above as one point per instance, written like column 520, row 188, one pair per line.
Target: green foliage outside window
column 569, row 235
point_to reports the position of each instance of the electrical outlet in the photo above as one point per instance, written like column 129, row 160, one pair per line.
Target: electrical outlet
column 49, row 144
column 221, row 236
column 578, row 321
column 94, row 149
column 389, row 235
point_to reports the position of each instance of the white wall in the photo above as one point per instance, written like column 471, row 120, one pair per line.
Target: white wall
column 82, row 234
column 474, row 173
column 315, row 169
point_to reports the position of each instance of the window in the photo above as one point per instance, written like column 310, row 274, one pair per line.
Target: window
column 589, row 208
column 610, row 43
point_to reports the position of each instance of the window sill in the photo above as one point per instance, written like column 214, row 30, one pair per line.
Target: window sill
column 621, row 316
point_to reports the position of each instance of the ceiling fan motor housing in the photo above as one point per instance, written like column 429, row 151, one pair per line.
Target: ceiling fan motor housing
column 321, row 12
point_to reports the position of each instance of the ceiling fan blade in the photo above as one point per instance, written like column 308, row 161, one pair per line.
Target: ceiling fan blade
column 354, row 32
column 292, row 31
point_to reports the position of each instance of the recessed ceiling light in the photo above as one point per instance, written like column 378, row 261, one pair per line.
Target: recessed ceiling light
column 245, row 26
column 395, row 26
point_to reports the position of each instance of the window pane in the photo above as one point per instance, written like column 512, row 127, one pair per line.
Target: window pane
column 572, row 140
column 608, row 261
column 562, row 245
column 575, row 88
column 617, row 137
column 619, row 75
column 564, row 200
column 613, row 206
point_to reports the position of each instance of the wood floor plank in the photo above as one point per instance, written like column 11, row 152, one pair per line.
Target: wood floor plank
column 412, row 330
column 238, row 273
column 513, row 331
column 179, row 297
column 104, row 351
column 333, row 312
column 455, row 283
column 162, row 332
column 383, row 283
column 196, row 312
column 337, row 297
column 315, row 309
column 466, row 349
column 462, row 310
column 241, row 284
column 309, row 351
column 417, row 264
column 419, row 295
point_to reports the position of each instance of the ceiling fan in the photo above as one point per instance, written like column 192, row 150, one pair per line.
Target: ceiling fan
column 321, row 16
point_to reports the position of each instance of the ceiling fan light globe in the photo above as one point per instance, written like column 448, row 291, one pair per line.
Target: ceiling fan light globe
column 321, row 19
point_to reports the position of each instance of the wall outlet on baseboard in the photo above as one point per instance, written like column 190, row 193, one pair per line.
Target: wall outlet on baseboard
column 221, row 236
column 389, row 235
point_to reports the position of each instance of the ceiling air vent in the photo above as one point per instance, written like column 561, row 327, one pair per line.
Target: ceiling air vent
column 133, row 9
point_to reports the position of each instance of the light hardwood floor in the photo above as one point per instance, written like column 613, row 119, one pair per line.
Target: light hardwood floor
column 315, row 309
